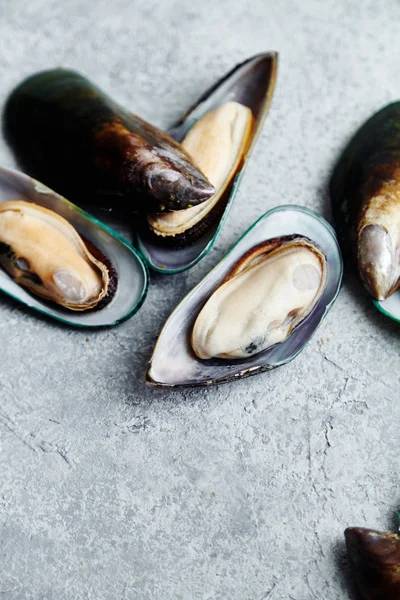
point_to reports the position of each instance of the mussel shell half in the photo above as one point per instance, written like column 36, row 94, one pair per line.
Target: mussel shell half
column 174, row 363
column 252, row 84
column 130, row 269
column 369, row 166
column 67, row 132
column 375, row 562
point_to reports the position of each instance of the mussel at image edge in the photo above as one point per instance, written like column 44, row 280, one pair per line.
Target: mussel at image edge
column 365, row 193
column 41, row 218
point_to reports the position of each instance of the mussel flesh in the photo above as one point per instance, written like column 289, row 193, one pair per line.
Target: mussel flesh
column 365, row 190
column 375, row 561
column 69, row 134
column 217, row 144
column 42, row 252
column 265, row 295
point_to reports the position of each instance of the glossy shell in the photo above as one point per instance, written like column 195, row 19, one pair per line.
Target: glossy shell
column 365, row 192
column 130, row 270
column 67, row 132
column 270, row 290
column 252, row 84
column 375, row 562
column 174, row 363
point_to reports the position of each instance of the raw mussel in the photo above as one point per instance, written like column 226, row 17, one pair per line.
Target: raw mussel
column 67, row 132
column 257, row 308
column 375, row 562
column 217, row 143
column 219, row 133
column 61, row 261
column 365, row 191
column 45, row 254
column 264, row 296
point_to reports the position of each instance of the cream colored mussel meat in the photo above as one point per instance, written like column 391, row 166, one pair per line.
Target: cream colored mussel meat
column 264, row 296
column 217, row 144
column 44, row 253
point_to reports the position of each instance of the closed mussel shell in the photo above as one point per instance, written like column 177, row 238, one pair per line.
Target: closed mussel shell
column 68, row 133
column 375, row 562
column 365, row 192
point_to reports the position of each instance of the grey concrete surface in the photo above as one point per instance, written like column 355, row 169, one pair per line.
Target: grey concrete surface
column 109, row 490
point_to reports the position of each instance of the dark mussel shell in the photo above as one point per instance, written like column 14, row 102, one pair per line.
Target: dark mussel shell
column 68, row 133
column 365, row 192
column 375, row 561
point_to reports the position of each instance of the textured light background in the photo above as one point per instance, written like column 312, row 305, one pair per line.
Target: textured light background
column 109, row 490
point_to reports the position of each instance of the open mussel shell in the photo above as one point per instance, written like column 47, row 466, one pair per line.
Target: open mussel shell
column 365, row 193
column 251, row 84
column 130, row 270
column 175, row 364
column 375, row 562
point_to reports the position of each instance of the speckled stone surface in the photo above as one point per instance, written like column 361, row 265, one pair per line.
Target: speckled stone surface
column 110, row 490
